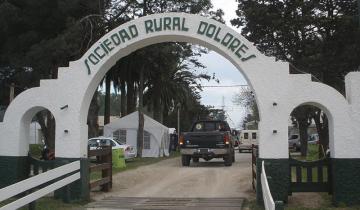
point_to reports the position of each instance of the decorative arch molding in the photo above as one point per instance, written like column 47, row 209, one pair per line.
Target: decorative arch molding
column 69, row 96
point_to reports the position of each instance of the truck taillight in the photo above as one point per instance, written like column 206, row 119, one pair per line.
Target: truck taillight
column 181, row 140
column 226, row 139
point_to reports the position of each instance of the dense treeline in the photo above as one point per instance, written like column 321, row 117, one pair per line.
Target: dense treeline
column 321, row 37
column 38, row 36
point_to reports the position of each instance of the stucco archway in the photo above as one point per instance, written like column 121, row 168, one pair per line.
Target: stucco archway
column 277, row 92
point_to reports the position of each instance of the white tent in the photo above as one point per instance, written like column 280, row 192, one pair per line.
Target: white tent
column 156, row 135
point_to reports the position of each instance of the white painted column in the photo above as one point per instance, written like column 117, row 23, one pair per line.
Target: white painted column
column 352, row 84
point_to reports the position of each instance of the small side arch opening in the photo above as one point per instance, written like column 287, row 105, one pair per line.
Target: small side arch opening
column 38, row 126
column 308, row 132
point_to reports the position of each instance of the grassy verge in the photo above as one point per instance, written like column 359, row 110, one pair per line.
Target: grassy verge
column 252, row 204
column 312, row 153
column 35, row 150
column 135, row 163
column 47, row 203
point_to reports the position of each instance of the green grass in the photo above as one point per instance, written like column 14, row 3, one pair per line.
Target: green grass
column 35, row 150
column 252, row 204
column 47, row 203
column 133, row 164
column 312, row 153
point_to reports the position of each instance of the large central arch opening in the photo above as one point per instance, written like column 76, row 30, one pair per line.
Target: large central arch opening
column 161, row 104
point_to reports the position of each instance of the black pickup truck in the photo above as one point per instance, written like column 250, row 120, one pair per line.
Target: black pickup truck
column 207, row 139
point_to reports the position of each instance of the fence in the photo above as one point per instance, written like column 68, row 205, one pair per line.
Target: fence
column 39, row 180
column 103, row 163
column 310, row 176
column 39, row 166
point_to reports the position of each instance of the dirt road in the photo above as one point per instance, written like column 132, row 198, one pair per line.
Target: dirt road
column 169, row 179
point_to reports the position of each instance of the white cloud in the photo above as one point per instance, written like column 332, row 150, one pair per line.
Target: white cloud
column 228, row 75
column 229, row 7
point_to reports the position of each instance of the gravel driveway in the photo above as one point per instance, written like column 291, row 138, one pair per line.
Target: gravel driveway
column 169, row 179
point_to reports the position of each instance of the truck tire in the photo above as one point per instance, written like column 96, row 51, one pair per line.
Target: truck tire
column 185, row 160
column 228, row 160
column 195, row 159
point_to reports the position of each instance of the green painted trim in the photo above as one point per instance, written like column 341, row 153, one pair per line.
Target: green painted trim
column 13, row 169
column 279, row 205
column 346, row 181
column 278, row 170
column 78, row 190
column 259, row 197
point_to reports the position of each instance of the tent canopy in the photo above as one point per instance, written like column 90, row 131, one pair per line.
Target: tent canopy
column 158, row 131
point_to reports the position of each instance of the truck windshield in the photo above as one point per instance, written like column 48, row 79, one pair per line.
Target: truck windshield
column 210, row 126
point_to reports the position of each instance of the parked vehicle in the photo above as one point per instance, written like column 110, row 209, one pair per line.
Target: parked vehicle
column 207, row 139
column 129, row 151
column 247, row 139
column 313, row 139
column 294, row 141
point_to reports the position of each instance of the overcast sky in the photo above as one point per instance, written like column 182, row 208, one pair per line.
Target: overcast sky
column 225, row 72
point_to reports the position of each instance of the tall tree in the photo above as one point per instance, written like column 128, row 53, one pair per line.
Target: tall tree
column 246, row 99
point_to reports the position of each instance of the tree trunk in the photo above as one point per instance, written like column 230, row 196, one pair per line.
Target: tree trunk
column 323, row 140
column 47, row 124
column 44, row 129
column 323, row 131
column 123, row 98
column 51, row 130
column 303, row 126
column 140, row 134
column 107, row 99
column 302, row 116
column 93, row 127
column 157, row 103
column 130, row 97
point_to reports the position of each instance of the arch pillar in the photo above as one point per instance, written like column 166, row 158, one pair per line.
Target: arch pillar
column 346, row 169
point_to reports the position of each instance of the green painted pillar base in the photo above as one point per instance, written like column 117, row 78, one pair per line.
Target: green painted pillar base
column 278, row 170
column 78, row 190
column 346, row 181
column 13, row 169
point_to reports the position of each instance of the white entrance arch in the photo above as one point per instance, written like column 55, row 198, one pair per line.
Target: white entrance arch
column 277, row 91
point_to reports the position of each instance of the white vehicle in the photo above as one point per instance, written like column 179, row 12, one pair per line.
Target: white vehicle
column 294, row 142
column 247, row 139
column 313, row 139
column 129, row 151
